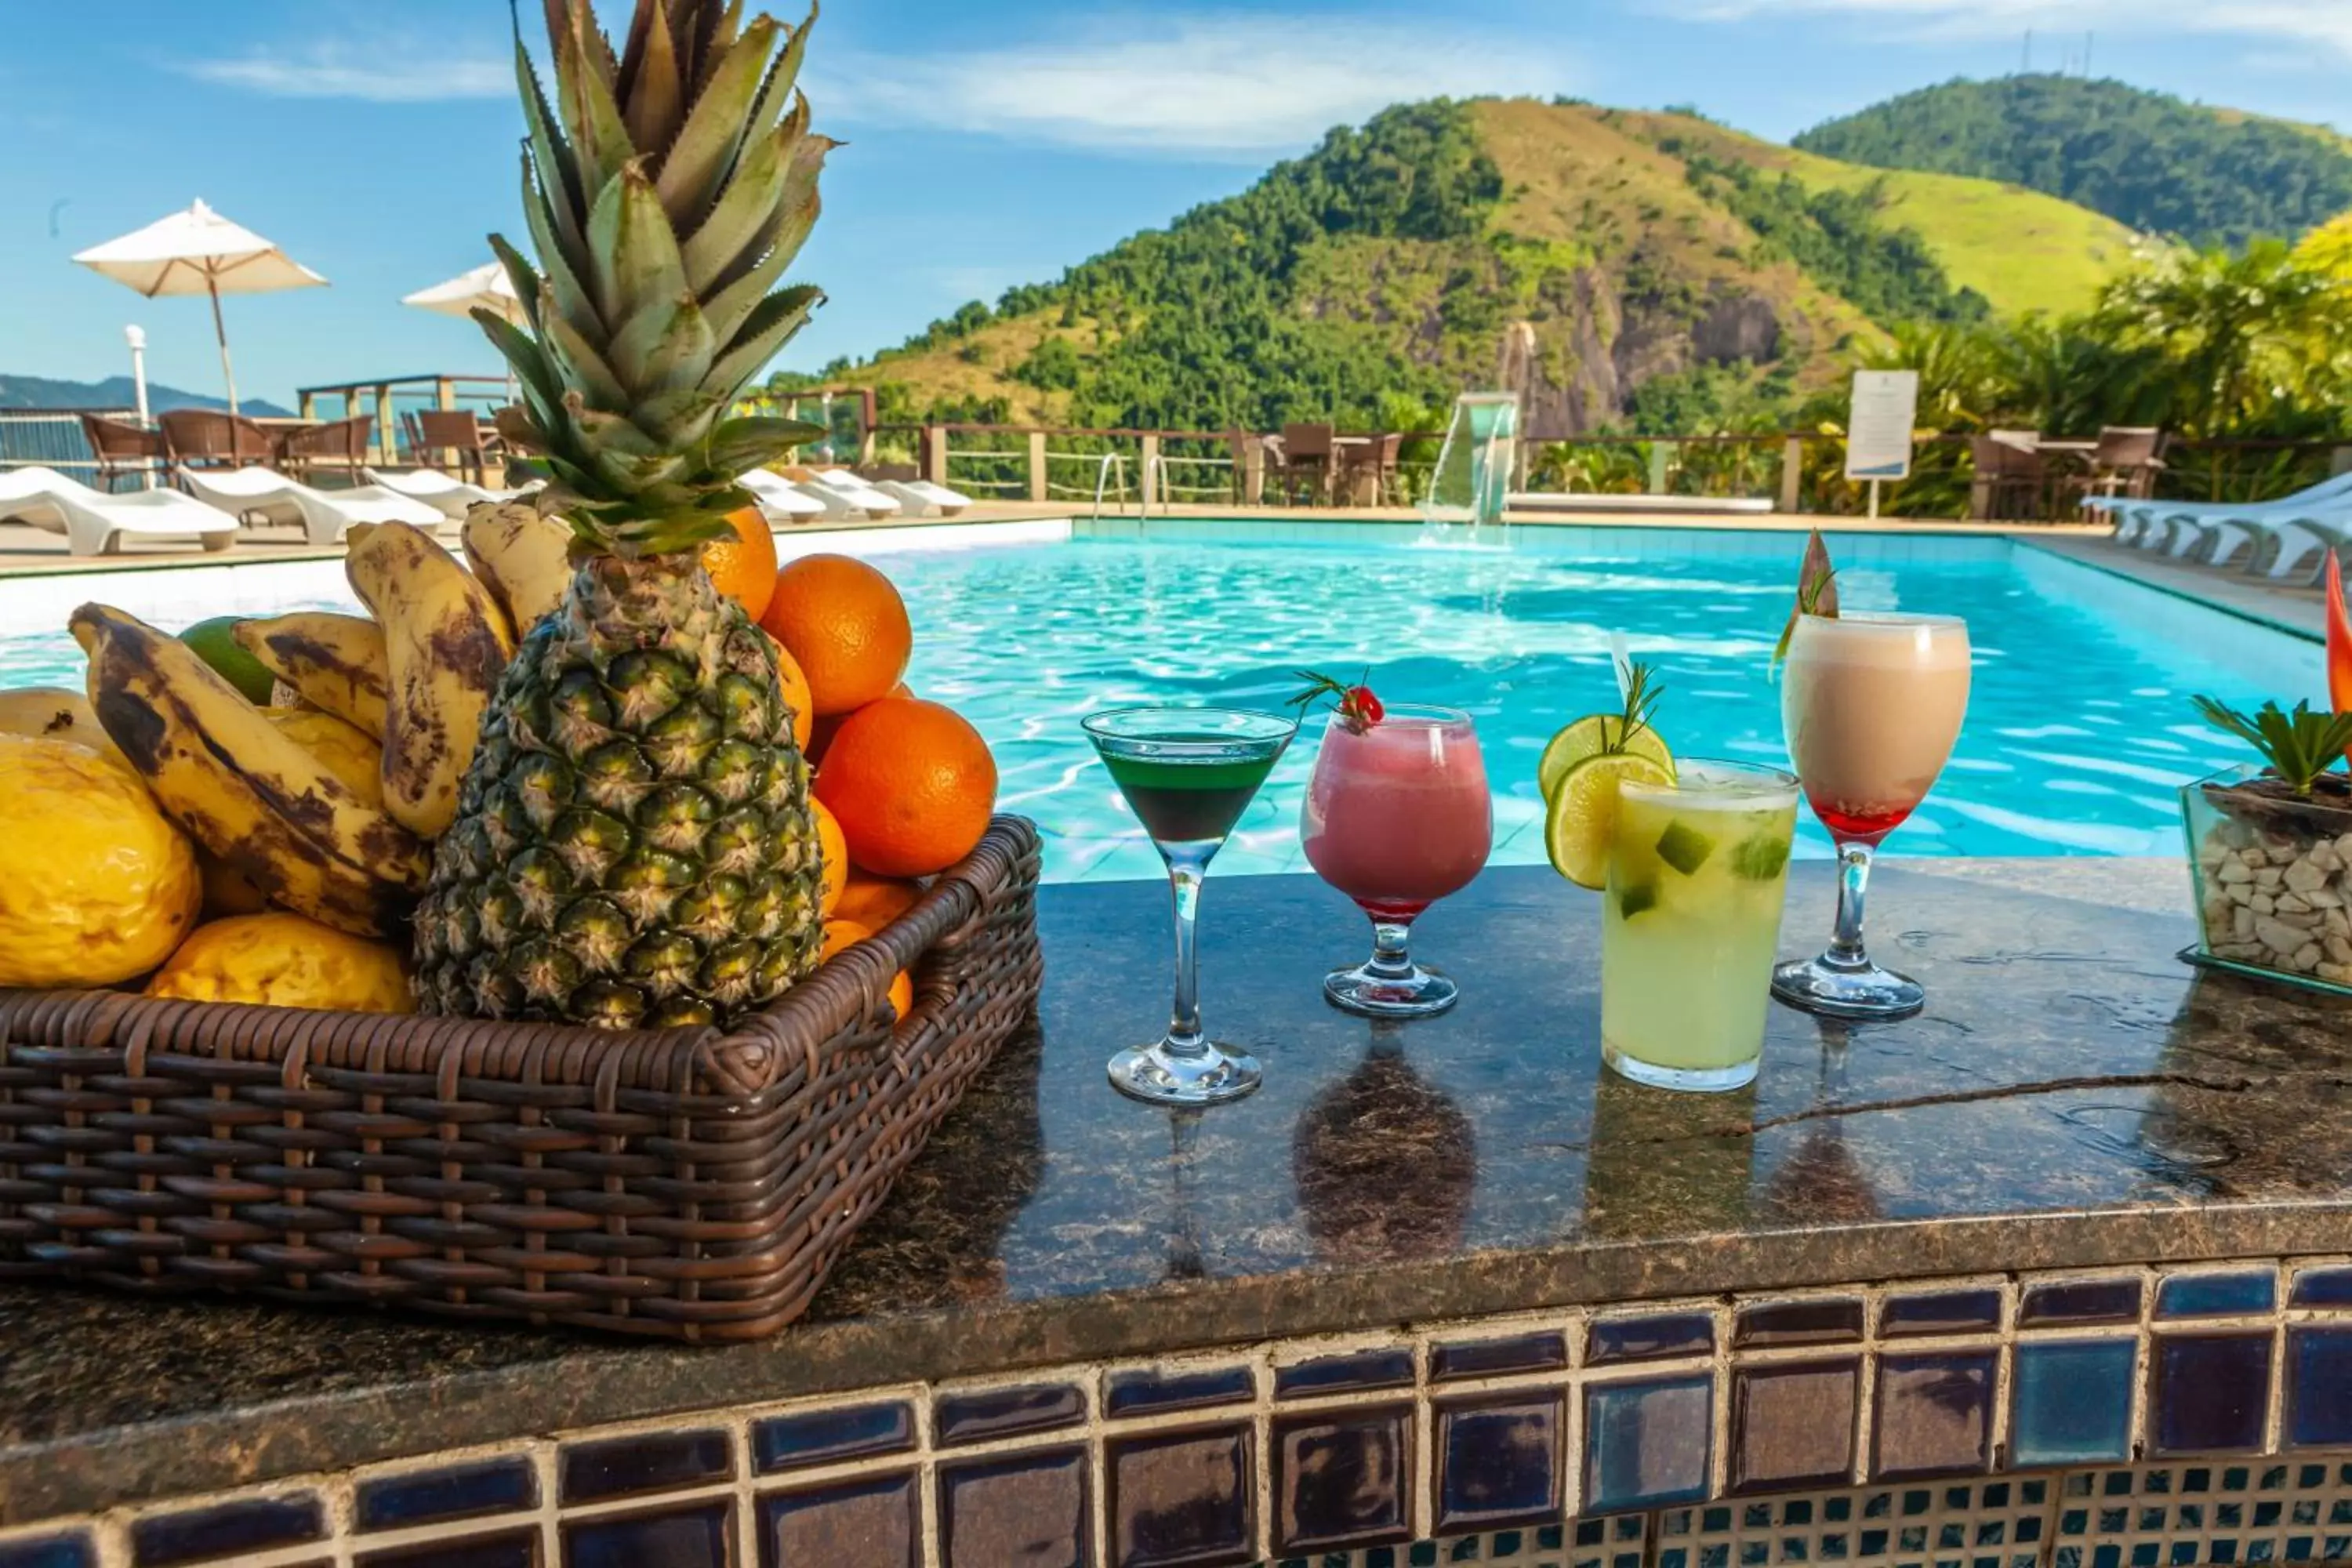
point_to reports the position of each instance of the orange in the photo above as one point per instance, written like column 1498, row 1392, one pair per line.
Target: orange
column 876, row 901
column 840, row 934
column 845, row 625
column 913, row 785
column 835, row 852
column 744, row 567
column 796, row 698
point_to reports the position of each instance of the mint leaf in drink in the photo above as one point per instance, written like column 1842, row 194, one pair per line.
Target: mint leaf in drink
column 1761, row 858
column 1684, row 848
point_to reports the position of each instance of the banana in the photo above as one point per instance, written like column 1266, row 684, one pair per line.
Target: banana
column 335, row 662
column 521, row 556
column 251, row 795
column 56, row 713
column 445, row 645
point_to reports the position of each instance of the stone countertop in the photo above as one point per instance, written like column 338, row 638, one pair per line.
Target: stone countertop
column 2073, row 1095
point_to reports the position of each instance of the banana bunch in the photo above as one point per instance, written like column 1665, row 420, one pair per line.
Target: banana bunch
column 446, row 644
column 334, row 663
column 521, row 555
column 264, row 804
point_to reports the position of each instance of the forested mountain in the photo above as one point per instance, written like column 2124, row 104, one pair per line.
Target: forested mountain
column 114, row 392
column 1375, row 277
column 2146, row 159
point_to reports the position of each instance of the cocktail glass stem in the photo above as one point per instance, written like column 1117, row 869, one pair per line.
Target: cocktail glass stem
column 1844, row 982
column 1854, row 886
column 1389, row 984
column 1389, row 960
column 1185, row 1066
column 1184, row 1036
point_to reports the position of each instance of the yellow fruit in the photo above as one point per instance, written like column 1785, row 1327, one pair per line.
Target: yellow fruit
column 342, row 747
column 96, row 885
column 56, row 713
column 285, row 961
column 835, row 849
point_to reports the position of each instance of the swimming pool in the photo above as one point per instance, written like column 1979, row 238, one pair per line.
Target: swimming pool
column 2079, row 727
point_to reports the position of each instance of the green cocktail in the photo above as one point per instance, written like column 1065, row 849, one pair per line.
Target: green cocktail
column 1690, row 922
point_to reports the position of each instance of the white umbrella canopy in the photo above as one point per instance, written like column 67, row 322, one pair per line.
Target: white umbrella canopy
column 486, row 288
column 199, row 252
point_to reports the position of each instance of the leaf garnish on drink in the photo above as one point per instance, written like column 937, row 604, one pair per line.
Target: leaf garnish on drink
column 2298, row 746
column 1642, row 690
column 1353, row 705
column 1817, row 591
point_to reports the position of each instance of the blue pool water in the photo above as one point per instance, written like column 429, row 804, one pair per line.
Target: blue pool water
column 2079, row 727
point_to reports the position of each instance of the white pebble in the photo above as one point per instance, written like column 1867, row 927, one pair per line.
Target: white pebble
column 2302, row 876
column 2339, row 949
column 2269, row 877
column 2278, row 936
column 2306, row 958
column 2233, row 871
column 2263, row 903
column 2290, row 904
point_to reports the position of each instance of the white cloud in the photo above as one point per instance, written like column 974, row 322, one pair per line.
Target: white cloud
column 2303, row 22
column 380, row 73
column 1213, row 85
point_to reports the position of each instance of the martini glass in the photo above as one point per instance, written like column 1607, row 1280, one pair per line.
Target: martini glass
column 1188, row 773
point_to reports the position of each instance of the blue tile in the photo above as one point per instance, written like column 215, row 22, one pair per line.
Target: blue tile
column 676, row 1538
column 1798, row 1323
column 1342, row 1478
column 2319, row 1387
column 2216, row 1295
column 1940, row 1312
column 225, row 1528
column 1182, row 1500
column 1134, row 1393
column 2322, row 1288
column 506, row 1548
column 72, row 1551
column 958, row 1419
column 2081, row 1302
column 1647, row 1443
column 2072, row 1402
column 1028, row 1509
column 1649, row 1339
column 1489, row 1358
column 874, row 1520
column 1498, row 1461
column 822, row 1437
column 1334, row 1373
column 650, row 1462
column 2210, row 1391
column 453, row 1491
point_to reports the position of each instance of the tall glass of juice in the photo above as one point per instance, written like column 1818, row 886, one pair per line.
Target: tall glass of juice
column 1690, row 922
column 1397, row 817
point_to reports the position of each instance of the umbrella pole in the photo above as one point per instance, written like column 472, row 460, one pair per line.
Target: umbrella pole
column 220, row 331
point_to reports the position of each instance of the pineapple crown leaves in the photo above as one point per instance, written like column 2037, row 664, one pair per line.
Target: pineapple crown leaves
column 2298, row 746
column 667, row 189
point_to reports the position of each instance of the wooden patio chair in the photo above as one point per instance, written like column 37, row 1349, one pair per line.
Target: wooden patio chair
column 2126, row 462
column 208, row 439
column 1307, row 453
column 340, row 443
column 440, row 431
column 1370, row 470
column 2008, row 479
column 122, row 448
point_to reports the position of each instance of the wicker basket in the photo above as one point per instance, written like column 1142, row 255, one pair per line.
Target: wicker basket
column 678, row 1183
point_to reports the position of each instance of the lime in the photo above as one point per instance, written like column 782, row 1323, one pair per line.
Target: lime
column 1589, row 737
column 216, row 643
column 1583, row 814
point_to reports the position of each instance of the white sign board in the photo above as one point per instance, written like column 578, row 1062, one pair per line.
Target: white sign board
column 1878, row 432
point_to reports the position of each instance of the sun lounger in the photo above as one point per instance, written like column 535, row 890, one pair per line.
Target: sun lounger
column 449, row 496
column 2295, row 550
column 844, row 494
column 323, row 515
column 780, row 498
column 96, row 523
column 923, row 499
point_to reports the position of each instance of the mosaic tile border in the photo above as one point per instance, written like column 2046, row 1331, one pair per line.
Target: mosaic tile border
column 1984, row 1419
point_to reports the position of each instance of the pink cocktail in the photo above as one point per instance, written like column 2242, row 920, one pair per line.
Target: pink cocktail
column 1397, row 818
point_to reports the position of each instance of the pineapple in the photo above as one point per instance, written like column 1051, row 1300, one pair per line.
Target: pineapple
column 634, row 844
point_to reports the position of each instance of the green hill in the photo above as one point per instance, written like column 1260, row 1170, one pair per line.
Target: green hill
column 2154, row 162
column 1377, row 276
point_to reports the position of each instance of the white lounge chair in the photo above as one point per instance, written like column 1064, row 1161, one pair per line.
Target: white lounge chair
column 2162, row 524
column 323, row 514
column 780, row 498
column 844, row 494
column 923, row 499
column 96, row 523
column 451, row 497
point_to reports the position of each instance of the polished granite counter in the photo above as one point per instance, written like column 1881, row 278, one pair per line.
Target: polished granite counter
column 2073, row 1097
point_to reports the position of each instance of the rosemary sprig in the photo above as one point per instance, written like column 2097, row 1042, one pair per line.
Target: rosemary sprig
column 1355, row 705
column 1642, row 690
column 2298, row 746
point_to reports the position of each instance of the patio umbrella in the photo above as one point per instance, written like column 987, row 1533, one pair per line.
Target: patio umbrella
column 199, row 252
column 486, row 287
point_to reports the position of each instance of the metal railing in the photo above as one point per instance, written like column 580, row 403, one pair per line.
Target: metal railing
column 52, row 438
column 389, row 397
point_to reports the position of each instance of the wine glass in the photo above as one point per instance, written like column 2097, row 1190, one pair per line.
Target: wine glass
column 1188, row 774
column 1397, row 817
column 1872, row 704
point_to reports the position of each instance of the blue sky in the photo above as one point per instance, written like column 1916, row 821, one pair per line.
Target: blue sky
column 990, row 143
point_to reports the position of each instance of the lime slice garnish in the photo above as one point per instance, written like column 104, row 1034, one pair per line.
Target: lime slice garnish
column 1590, row 737
column 1583, row 815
